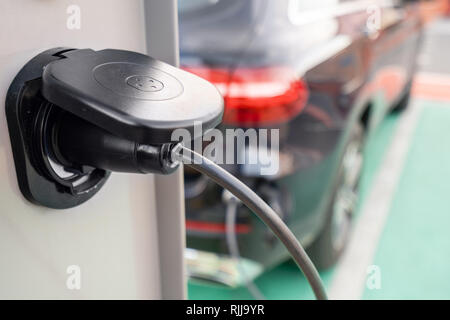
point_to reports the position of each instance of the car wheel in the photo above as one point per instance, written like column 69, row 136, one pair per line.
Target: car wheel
column 331, row 241
column 404, row 101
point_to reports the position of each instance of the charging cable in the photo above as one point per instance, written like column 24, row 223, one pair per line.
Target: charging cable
column 100, row 149
column 203, row 165
column 232, row 204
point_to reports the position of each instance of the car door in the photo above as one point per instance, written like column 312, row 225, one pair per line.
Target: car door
column 394, row 42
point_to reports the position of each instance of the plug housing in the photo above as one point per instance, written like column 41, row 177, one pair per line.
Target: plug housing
column 76, row 115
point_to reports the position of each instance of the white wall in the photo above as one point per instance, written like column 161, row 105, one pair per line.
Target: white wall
column 112, row 237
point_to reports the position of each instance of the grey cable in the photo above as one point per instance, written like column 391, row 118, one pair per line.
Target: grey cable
column 259, row 207
column 233, row 247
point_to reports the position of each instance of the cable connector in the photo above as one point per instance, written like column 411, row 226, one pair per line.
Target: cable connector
column 77, row 142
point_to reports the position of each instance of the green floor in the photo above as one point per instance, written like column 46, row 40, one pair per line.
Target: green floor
column 286, row 281
column 414, row 250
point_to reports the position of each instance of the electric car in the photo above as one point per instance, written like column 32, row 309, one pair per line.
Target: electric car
column 322, row 72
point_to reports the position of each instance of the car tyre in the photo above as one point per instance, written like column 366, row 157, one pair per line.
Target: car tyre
column 403, row 103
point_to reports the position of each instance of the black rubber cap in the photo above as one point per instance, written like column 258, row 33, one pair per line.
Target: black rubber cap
column 131, row 95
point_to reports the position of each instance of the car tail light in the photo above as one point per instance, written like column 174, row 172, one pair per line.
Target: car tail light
column 214, row 227
column 255, row 96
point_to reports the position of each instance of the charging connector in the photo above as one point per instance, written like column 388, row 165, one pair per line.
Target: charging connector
column 77, row 142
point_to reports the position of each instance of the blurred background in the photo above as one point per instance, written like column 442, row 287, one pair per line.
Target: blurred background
column 360, row 91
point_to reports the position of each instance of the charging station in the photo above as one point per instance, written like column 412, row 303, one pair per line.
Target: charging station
column 74, row 116
column 117, row 242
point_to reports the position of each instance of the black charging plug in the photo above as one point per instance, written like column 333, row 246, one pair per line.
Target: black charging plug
column 78, row 143
column 75, row 115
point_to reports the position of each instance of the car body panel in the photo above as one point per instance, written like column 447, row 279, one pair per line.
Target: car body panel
column 353, row 73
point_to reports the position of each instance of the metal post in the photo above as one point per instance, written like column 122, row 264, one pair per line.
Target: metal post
column 162, row 43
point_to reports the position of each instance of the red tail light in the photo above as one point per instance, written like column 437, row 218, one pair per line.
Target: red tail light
column 257, row 95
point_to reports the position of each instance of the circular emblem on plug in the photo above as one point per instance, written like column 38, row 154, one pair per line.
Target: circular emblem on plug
column 145, row 83
column 137, row 81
